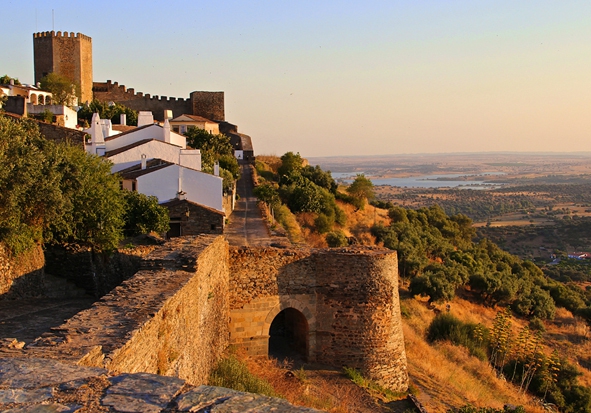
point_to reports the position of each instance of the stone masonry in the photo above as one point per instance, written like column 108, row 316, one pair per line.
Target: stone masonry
column 41, row 385
column 66, row 54
column 169, row 319
column 209, row 105
column 348, row 296
column 193, row 296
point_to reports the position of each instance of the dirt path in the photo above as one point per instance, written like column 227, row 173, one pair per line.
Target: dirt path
column 246, row 226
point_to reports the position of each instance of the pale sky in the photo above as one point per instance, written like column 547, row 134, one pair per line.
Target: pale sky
column 341, row 77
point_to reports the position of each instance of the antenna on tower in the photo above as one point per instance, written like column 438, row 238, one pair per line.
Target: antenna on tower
column 52, row 20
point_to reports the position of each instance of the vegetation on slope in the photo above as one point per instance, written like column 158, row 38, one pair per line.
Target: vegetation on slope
column 439, row 259
column 288, row 186
column 215, row 148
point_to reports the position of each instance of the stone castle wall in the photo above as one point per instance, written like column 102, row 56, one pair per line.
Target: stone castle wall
column 171, row 318
column 194, row 296
column 209, row 105
column 348, row 296
column 69, row 55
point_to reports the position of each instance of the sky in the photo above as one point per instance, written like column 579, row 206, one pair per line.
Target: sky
column 344, row 78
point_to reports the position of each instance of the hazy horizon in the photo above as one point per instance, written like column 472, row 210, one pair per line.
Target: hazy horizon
column 344, row 79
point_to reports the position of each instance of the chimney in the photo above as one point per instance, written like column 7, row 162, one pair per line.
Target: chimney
column 144, row 162
column 38, row 85
column 216, row 168
column 11, row 82
column 168, row 114
column 123, row 119
column 144, row 118
column 166, row 131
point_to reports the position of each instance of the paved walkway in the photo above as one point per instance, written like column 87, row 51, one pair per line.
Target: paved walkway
column 246, row 226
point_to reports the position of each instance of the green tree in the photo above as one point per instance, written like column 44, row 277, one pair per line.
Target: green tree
column 95, row 205
column 143, row 214
column 267, row 194
column 213, row 147
column 30, row 197
column 321, row 178
column 54, row 192
column 290, row 163
column 64, row 91
column 107, row 110
column 4, row 80
column 361, row 189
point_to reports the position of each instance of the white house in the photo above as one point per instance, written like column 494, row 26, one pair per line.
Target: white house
column 155, row 161
column 64, row 116
column 151, row 140
column 181, row 124
column 168, row 181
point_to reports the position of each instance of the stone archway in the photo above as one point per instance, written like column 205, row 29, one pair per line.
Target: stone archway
column 288, row 335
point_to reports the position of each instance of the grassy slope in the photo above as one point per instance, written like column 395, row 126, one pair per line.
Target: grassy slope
column 446, row 375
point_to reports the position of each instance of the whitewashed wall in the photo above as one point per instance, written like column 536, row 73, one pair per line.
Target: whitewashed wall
column 200, row 187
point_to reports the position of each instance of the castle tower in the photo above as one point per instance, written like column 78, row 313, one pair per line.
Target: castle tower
column 67, row 55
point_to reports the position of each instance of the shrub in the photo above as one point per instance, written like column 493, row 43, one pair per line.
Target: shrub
column 537, row 325
column 448, row 327
column 323, row 223
column 233, row 374
column 336, row 239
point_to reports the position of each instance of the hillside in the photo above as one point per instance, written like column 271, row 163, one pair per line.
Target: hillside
column 439, row 264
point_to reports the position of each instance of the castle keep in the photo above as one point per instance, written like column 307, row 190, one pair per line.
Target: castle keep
column 66, row 54
column 70, row 55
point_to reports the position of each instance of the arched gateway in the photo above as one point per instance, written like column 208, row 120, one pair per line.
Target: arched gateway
column 288, row 335
column 333, row 306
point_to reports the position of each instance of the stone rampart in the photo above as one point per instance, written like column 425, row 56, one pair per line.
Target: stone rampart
column 209, row 105
column 349, row 298
column 21, row 276
column 171, row 318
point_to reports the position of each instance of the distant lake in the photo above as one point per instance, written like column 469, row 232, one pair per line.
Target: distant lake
column 428, row 181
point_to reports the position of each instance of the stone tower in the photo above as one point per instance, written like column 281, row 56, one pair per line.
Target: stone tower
column 67, row 55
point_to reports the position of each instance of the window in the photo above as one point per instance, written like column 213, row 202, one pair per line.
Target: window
column 133, row 186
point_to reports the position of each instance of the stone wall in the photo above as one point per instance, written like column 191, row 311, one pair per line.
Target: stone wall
column 200, row 219
column 60, row 387
column 61, row 134
column 67, row 54
column 21, row 276
column 96, row 273
column 108, row 91
column 171, row 318
column 210, row 105
column 349, row 297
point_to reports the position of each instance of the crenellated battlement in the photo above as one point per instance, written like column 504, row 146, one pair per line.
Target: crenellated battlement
column 209, row 105
column 62, row 35
column 68, row 54
column 121, row 92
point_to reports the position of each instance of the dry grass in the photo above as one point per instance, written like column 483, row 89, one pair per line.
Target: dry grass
column 325, row 390
column 359, row 222
column 446, row 375
column 272, row 161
